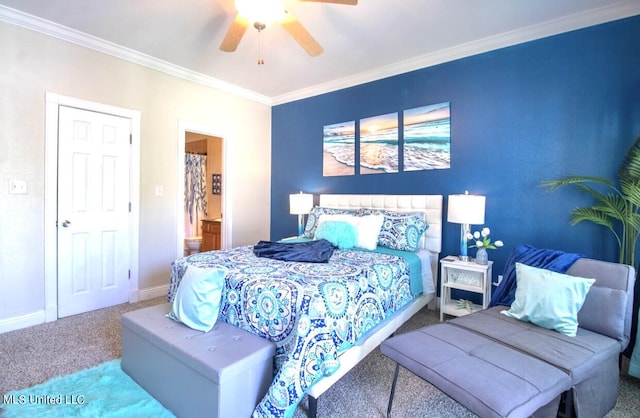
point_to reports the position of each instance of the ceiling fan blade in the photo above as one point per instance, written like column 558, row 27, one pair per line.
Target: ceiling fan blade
column 301, row 35
column 349, row 2
column 234, row 34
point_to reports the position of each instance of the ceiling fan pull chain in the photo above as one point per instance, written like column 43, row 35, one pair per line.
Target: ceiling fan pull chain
column 259, row 26
column 260, row 59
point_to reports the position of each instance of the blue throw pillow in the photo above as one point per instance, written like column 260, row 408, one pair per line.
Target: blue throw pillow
column 197, row 300
column 548, row 299
column 342, row 234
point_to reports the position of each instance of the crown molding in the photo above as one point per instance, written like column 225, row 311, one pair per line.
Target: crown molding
column 526, row 34
column 503, row 40
column 46, row 27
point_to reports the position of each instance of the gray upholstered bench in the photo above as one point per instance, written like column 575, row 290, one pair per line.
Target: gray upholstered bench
column 221, row 373
column 498, row 366
column 486, row 377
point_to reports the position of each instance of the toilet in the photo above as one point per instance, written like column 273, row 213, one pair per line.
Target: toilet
column 193, row 244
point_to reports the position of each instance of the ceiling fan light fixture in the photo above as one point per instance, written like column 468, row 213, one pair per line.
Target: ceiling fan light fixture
column 261, row 11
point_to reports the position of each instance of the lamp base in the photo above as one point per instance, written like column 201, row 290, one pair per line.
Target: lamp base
column 300, row 225
column 464, row 228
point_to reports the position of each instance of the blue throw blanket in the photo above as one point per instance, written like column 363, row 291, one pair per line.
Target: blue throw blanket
column 553, row 260
column 319, row 251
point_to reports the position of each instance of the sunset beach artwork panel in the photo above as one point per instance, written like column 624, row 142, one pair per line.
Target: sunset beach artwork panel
column 339, row 149
column 427, row 137
column 379, row 144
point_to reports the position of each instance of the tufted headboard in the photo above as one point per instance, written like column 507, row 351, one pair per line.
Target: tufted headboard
column 431, row 205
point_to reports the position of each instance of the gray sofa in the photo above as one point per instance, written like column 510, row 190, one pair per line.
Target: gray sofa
column 499, row 366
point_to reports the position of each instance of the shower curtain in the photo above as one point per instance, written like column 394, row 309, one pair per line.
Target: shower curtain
column 195, row 192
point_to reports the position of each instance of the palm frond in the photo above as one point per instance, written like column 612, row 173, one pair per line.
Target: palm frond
column 592, row 215
column 575, row 180
column 598, row 196
column 634, row 222
column 612, row 205
column 631, row 190
column 588, row 214
column 630, row 168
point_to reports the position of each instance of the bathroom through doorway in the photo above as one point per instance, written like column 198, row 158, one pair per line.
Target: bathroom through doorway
column 202, row 192
column 215, row 136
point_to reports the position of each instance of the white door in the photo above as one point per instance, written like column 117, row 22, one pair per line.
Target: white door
column 93, row 210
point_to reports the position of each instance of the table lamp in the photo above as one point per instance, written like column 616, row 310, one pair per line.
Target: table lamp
column 300, row 204
column 465, row 209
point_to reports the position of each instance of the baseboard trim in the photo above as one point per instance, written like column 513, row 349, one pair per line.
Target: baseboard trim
column 50, row 314
column 22, row 321
column 153, row 292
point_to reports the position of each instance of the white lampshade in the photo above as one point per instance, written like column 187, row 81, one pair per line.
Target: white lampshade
column 466, row 209
column 300, row 203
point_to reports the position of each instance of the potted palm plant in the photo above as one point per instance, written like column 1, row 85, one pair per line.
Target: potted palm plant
column 618, row 208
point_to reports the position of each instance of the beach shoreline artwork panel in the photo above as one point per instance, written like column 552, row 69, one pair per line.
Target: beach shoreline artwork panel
column 427, row 137
column 339, row 149
column 379, row 144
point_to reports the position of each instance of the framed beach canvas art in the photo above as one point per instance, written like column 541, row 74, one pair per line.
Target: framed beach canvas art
column 379, row 144
column 339, row 149
column 427, row 137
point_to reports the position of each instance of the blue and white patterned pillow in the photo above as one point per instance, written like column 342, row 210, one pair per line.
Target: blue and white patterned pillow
column 400, row 230
column 316, row 213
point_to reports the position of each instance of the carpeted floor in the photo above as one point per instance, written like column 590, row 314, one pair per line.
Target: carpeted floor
column 36, row 354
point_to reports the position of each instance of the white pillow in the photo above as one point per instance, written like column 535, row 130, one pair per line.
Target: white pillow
column 197, row 300
column 368, row 228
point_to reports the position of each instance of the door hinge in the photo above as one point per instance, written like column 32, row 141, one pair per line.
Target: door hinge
column 129, row 274
column 129, row 207
column 130, row 139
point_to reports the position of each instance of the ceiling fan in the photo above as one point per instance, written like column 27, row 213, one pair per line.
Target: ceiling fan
column 261, row 13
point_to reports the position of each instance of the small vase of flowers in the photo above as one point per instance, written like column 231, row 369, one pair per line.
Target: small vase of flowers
column 482, row 241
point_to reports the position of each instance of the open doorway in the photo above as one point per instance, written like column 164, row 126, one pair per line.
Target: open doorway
column 198, row 230
column 203, row 193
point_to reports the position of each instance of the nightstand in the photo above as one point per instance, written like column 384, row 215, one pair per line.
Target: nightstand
column 463, row 275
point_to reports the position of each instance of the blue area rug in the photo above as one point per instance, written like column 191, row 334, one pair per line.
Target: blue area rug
column 101, row 391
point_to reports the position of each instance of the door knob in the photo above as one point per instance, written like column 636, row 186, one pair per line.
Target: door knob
column 66, row 224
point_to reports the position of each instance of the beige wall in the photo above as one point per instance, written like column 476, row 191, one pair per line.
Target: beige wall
column 33, row 64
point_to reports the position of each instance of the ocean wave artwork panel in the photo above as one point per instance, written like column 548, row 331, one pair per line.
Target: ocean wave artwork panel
column 339, row 152
column 427, row 137
column 379, row 144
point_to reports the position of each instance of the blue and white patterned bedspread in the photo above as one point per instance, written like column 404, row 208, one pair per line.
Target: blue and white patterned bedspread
column 311, row 311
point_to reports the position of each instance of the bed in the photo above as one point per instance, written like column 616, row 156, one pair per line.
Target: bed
column 303, row 309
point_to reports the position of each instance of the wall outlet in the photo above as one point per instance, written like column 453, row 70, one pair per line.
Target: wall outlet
column 159, row 191
column 17, row 187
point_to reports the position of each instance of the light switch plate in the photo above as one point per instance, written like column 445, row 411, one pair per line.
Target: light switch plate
column 17, row 187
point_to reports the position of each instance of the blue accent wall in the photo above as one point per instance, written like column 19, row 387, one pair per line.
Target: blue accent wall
column 567, row 104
